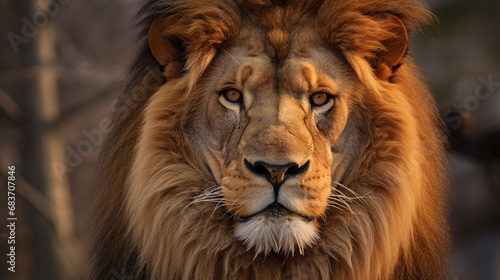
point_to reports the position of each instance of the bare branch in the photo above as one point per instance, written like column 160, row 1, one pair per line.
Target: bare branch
column 10, row 107
column 86, row 105
column 30, row 194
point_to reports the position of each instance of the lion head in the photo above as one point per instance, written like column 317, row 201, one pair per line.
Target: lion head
column 288, row 139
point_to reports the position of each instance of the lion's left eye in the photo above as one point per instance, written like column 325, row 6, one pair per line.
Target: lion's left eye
column 320, row 98
column 231, row 98
column 232, row 95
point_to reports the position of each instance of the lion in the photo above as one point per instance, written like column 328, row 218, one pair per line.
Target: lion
column 268, row 139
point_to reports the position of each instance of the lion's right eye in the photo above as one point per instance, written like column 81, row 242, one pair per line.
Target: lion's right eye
column 232, row 95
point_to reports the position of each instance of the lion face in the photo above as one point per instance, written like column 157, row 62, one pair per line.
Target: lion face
column 270, row 130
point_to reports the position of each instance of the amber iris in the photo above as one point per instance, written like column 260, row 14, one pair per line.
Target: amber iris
column 320, row 98
column 232, row 95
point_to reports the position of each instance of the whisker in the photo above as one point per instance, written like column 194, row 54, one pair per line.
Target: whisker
column 209, row 194
column 340, row 204
column 217, row 206
column 348, row 189
column 234, row 58
column 355, row 194
column 336, row 207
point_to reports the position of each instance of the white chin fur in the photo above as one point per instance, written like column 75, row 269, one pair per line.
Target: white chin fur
column 281, row 234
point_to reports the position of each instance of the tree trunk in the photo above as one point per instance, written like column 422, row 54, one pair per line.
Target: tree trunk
column 56, row 252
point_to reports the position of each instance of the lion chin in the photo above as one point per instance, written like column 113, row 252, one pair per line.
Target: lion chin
column 276, row 229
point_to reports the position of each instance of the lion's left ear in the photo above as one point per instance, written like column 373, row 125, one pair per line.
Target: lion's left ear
column 388, row 58
column 377, row 38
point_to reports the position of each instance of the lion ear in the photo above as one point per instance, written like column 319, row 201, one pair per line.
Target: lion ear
column 388, row 58
column 168, row 49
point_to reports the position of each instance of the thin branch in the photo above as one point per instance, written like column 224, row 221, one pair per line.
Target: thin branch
column 30, row 194
column 86, row 105
column 10, row 107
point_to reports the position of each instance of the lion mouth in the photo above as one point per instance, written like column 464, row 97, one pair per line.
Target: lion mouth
column 274, row 209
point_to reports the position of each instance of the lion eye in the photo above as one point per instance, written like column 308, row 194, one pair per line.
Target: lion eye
column 232, row 95
column 320, row 98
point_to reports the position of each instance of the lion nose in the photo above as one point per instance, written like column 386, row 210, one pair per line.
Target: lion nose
column 276, row 174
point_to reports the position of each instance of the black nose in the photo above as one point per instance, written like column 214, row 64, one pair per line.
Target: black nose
column 276, row 174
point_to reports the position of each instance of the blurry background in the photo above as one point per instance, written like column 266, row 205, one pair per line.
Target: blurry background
column 63, row 63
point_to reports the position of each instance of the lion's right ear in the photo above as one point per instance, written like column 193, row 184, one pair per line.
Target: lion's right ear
column 186, row 42
column 167, row 49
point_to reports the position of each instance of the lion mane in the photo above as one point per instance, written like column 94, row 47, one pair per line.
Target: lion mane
column 172, row 201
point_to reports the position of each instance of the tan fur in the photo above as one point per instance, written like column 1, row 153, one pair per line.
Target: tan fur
column 174, row 181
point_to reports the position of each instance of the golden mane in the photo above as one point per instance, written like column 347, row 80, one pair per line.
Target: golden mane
column 145, row 222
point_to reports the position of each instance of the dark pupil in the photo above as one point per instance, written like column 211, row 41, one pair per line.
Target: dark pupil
column 232, row 95
column 320, row 98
